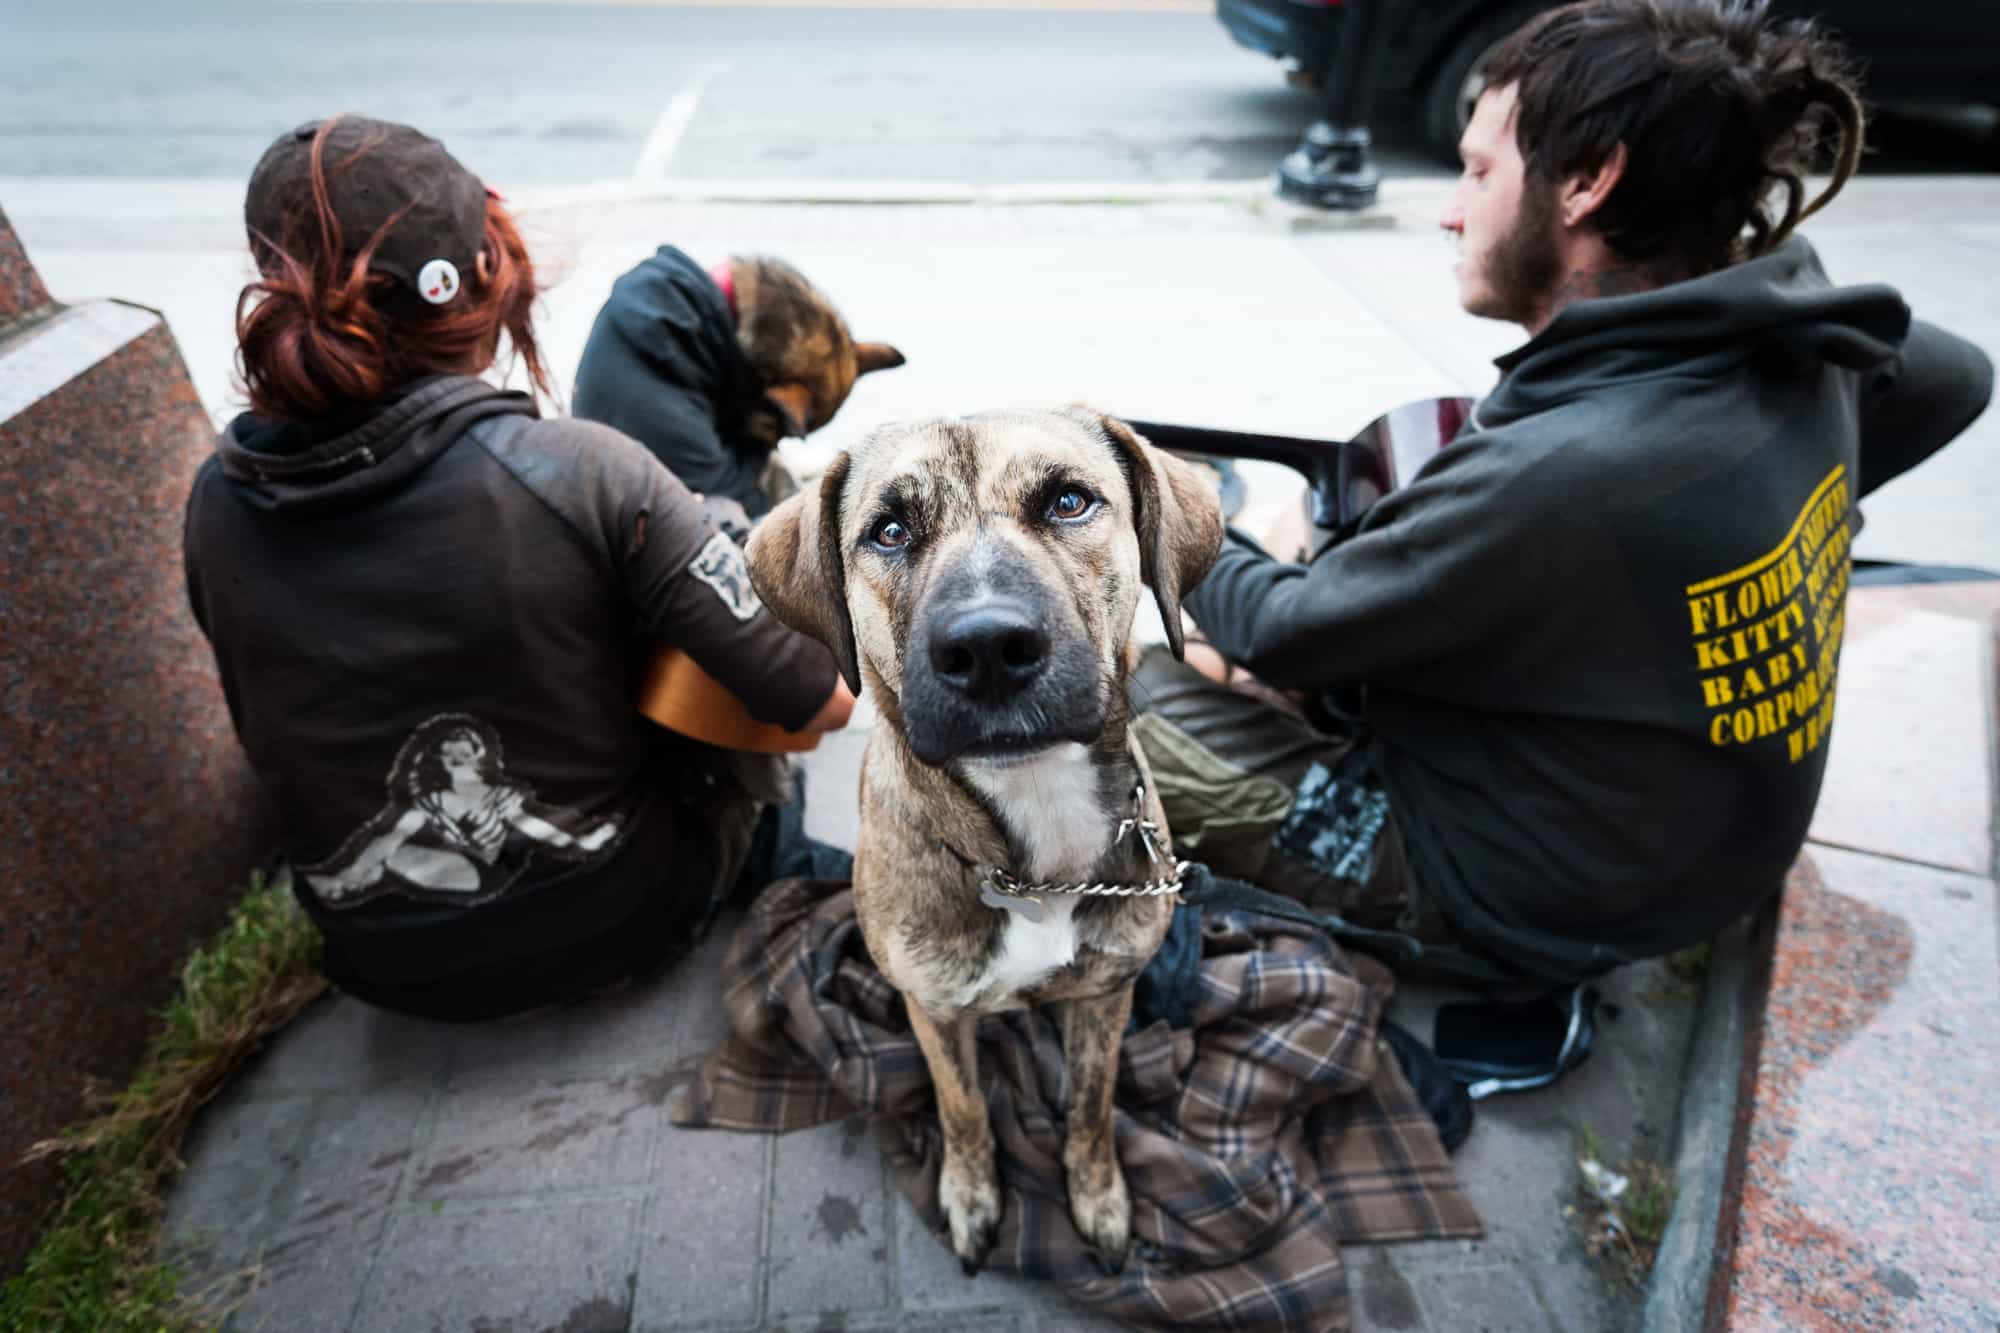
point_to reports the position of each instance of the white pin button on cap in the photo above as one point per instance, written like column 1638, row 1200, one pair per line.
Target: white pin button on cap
column 437, row 281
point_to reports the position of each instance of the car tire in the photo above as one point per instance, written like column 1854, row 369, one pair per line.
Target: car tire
column 1454, row 83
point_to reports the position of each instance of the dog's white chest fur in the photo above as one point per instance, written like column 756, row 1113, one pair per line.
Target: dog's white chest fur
column 1052, row 806
column 1029, row 952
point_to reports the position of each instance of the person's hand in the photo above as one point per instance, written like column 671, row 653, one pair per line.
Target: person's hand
column 1205, row 658
column 598, row 836
column 833, row 714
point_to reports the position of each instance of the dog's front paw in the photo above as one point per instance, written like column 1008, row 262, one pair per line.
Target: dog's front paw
column 970, row 1197
column 1102, row 1211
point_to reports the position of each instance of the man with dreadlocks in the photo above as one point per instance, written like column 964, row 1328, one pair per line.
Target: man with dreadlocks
column 1600, row 633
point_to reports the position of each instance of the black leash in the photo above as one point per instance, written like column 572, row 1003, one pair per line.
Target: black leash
column 1203, row 888
column 1473, row 1076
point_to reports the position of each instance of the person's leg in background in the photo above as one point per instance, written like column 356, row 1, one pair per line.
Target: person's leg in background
column 1256, row 792
column 780, row 848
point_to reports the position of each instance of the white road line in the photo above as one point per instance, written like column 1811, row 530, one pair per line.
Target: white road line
column 658, row 153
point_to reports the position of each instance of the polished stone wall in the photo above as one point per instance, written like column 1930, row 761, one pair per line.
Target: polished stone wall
column 128, row 817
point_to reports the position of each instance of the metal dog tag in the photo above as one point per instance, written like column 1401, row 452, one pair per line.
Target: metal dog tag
column 1024, row 906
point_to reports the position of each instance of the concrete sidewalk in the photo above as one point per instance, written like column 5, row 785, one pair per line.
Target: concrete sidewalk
column 371, row 1172
column 1213, row 306
column 375, row 1173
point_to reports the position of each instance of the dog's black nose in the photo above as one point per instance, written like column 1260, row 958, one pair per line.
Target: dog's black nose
column 989, row 651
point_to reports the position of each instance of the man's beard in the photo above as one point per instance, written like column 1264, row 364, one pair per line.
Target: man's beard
column 1523, row 266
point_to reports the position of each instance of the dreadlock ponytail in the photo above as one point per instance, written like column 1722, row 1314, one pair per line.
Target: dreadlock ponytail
column 1841, row 102
column 1722, row 114
column 1809, row 100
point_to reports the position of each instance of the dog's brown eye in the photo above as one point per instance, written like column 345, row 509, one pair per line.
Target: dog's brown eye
column 890, row 534
column 1070, row 503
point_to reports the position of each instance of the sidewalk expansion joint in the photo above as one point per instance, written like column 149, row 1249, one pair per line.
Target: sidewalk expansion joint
column 1917, row 862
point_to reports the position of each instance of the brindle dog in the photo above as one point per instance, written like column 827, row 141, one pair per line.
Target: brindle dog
column 980, row 575
column 799, row 346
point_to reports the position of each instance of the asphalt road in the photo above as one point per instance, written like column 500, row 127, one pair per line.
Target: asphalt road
column 570, row 93
column 980, row 91
column 562, row 93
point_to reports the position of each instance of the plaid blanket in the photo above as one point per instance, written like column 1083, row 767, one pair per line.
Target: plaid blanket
column 1255, row 1142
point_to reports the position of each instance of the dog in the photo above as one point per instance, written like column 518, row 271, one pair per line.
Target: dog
column 980, row 576
column 710, row 368
column 797, row 345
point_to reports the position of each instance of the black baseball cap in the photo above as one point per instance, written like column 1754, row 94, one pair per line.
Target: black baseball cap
column 374, row 169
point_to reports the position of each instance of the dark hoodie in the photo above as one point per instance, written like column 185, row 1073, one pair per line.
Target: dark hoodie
column 663, row 366
column 1600, row 632
column 428, row 622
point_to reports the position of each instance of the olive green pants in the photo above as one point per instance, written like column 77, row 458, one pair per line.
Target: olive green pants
column 1254, row 791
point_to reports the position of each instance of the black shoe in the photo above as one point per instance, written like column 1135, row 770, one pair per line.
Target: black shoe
column 1514, row 1046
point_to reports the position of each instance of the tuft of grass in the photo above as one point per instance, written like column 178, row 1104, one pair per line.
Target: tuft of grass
column 1679, row 976
column 1690, row 964
column 1624, row 1229
column 1648, row 1205
column 95, row 1269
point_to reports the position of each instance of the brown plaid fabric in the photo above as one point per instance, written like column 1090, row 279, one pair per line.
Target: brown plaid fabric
column 1255, row 1142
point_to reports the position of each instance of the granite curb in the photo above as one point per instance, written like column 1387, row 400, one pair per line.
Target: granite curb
column 1708, row 1156
column 1804, row 985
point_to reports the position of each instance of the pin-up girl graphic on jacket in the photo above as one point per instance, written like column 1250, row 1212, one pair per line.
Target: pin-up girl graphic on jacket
column 456, row 827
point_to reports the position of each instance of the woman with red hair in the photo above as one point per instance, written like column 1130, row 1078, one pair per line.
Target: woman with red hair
column 430, row 607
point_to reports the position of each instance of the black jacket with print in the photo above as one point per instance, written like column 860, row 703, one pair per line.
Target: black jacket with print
column 663, row 366
column 428, row 622
column 1599, row 633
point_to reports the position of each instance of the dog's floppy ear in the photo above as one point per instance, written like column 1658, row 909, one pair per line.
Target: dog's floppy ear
column 793, row 402
column 796, row 566
column 1178, row 517
column 875, row 356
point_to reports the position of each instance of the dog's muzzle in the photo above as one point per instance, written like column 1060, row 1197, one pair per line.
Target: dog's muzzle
column 996, row 674
column 989, row 652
